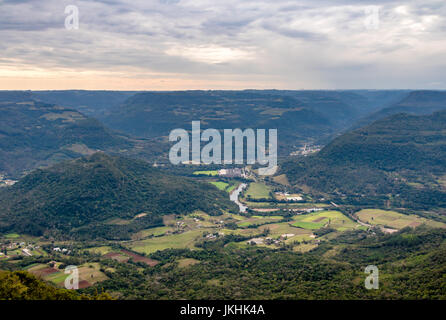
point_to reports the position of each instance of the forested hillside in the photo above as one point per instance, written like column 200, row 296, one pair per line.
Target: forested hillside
column 411, row 266
column 153, row 114
column 35, row 134
column 21, row 285
column 420, row 102
column 400, row 159
column 81, row 198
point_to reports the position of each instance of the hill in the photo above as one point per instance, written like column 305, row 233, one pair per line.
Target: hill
column 101, row 196
column 21, row 285
column 343, row 107
column 421, row 102
column 35, row 134
column 300, row 116
column 398, row 160
column 91, row 103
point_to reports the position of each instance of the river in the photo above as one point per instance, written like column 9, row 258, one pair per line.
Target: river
column 235, row 194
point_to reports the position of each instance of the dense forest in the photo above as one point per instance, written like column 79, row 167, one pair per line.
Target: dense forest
column 81, row 198
column 398, row 159
column 36, row 134
column 21, row 285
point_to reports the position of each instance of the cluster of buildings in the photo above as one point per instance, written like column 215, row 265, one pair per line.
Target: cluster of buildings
column 232, row 173
column 212, row 236
column 277, row 242
column 288, row 197
column 269, row 240
column 306, row 150
column 6, row 182
column 22, row 248
column 62, row 250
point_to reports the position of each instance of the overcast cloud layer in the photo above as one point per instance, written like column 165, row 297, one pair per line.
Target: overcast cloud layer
column 231, row 44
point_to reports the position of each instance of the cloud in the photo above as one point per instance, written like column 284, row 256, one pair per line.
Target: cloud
column 249, row 44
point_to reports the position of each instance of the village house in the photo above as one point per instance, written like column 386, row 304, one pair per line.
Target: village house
column 232, row 173
column 255, row 241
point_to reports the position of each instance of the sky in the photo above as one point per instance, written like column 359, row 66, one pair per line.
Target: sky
column 231, row 44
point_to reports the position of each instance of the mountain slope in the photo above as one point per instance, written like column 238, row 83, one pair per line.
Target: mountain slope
column 35, row 134
column 401, row 158
column 420, row 102
column 91, row 103
column 81, row 197
column 154, row 114
column 300, row 116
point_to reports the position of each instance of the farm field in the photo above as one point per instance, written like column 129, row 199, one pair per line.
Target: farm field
column 158, row 231
column 258, row 220
column 12, row 236
column 174, row 241
column 117, row 256
column 304, row 247
column 317, row 220
column 394, row 219
column 207, row 173
column 15, row 237
column 220, row 185
column 242, row 232
column 225, row 186
column 89, row 273
column 282, row 179
column 258, row 190
column 231, row 187
column 278, row 229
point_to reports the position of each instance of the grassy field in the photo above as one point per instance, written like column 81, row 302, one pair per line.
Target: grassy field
column 317, row 220
column 277, row 229
column 394, row 219
column 119, row 222
column 12, row 236
column 220, row 185
column 174, row 241
column 296, row 205
column 100, row 250
column 242, row 232
column 304, row 247
column 225, row 186
column 186, row 262
column 34, row 265
column 258, row 190
column 91, row 272
column 207, row 173
column 87, row 272
column 158, row 231
column 232, row 187
column 258, row 220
